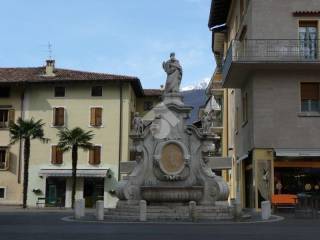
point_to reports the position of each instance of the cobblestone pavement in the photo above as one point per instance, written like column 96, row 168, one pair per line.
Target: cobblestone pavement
column 49, row 225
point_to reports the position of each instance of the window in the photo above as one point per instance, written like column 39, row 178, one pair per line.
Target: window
column 3, row 159
column 96, row 117
column 95, row 155
column 58, row 116
column 59, row 91
column 96, row 91
column 245, row 108
column 147, row 105
column 309, row 97
column 2, row 192
column 6, row 117
column 4, row 92
column 308, row 37
column 56, row 155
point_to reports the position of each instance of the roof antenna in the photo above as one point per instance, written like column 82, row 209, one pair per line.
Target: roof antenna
column 50, row 51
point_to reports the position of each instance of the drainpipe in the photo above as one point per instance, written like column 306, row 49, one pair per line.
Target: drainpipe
column 120, row 129
column 20, row 142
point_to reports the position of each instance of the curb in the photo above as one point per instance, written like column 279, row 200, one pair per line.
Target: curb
column 275, row 219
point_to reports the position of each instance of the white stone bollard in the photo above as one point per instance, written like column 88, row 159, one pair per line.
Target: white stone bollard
column 143, row 211
column 192, row 210
column 79, row 211
column 100, row 210
column 265, row 210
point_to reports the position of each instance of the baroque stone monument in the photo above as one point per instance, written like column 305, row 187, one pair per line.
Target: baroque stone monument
column 171, row 156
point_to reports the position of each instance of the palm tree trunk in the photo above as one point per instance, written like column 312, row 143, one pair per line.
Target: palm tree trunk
column 26, row 153
column 74, row 173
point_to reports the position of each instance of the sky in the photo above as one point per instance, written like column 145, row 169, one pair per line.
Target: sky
column 130, row 37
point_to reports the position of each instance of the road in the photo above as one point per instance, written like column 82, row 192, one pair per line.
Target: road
column 49, row 226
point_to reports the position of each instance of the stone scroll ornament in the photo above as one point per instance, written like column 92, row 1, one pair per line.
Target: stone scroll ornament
column 174, row 74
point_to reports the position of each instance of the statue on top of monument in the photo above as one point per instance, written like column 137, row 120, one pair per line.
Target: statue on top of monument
column 174, row 74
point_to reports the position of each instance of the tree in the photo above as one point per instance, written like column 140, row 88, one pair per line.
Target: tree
column 26, row 130
column 73, row 140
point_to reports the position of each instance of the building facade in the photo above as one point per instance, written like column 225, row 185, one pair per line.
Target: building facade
column 101, row 103
column 268, row 55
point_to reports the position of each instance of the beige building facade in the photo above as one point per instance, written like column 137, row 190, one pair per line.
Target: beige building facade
column 268, row 55
column 101, row 103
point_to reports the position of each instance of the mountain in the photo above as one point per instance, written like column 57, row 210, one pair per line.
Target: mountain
column 195, row 98
column 200, row 85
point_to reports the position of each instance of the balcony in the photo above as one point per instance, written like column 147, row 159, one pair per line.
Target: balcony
column 251, row 55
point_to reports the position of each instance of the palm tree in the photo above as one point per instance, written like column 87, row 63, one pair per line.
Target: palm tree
column 73, row 140
column 26, row 130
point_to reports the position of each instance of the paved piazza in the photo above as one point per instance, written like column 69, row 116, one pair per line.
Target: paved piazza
column 48, row 225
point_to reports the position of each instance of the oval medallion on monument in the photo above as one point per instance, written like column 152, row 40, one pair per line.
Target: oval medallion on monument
column 172, row 161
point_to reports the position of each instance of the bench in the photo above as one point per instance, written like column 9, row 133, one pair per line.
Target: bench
column 288, row 201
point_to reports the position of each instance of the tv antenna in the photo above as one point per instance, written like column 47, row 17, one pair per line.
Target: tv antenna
column 50, row 50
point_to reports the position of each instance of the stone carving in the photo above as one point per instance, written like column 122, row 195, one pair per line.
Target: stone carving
column 206, row 121
column 172, row 161
column 174, row 74
column 137, row 124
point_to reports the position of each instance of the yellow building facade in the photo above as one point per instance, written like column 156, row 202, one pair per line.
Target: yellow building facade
column 101, row 103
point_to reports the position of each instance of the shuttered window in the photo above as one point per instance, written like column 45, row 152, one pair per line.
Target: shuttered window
column 4, row 154
column 95, row 155
column 56, row 155
column 96, row 117
column 58, row 116
column 6, row 117
column 309, row 97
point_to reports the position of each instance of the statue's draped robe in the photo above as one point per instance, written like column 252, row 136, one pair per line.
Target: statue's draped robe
column 174, row 71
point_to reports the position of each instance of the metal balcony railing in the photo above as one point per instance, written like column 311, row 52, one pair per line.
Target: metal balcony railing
column 272, row 50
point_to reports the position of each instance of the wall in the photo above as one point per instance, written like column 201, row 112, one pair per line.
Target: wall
column 9, row 178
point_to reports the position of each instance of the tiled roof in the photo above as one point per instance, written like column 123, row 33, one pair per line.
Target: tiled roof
column 37, row 75
column 153, row 92
column 306, row 13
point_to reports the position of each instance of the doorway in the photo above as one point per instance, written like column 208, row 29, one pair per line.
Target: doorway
column 55, row 192
column 93, row 191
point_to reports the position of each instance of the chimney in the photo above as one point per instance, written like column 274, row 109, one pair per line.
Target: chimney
column 50, row 68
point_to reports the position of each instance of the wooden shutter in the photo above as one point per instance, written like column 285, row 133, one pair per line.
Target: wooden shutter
column 309, row 91
column 93, row 117
column 59, row 116
column 98, row 116
column 95, row 155
column 53, row 154
column 56, row 155
column 11, row 116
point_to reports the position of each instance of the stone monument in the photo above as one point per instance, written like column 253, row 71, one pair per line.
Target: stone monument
column 172, row 157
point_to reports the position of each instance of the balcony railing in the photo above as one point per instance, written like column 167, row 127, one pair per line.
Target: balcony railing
column 272, row 50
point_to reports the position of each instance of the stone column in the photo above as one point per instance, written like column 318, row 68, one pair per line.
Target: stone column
column 192, row 211
column 143, row 211
column 79, row 210
column 100, row 210
column 265, row 210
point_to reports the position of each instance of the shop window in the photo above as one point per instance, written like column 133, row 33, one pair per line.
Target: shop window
column 2, row 193
column 309, row 97
column 6, row 117
column 56, row 155
column 4, row 158
column 95, row 155
column 96, row 91
column 58, row 116
column 4, row 92
column 59, row 91
column 147, row 105
column 96, row 117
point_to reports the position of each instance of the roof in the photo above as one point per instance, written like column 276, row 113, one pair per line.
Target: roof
column 218, row 12
column 37, row 75
column 153, row 92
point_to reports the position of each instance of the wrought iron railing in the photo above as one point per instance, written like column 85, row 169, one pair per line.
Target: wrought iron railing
column 272, row 50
